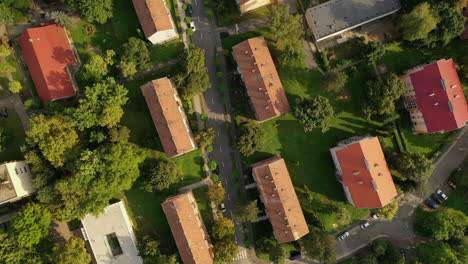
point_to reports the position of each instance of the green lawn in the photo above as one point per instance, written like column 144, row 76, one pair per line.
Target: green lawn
column 204, row 205
column 15, row 135
column 458, row 198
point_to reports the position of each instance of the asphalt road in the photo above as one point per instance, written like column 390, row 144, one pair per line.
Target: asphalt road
column 206, row 37
column 400, row 230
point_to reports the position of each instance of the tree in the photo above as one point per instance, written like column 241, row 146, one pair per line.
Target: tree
column 6, row 14
column 71, row 252
column 194, row 78
column 95, row 11
column 436, row 252
column 128, row 68
column 445, row 224
column 225, row 251
column 4, row 51
column 250, row 138
column 419, row 22
column 334, row 81
column 451, row 25
column 413, row 166
column 276, row 252
column 162, row 176
column 11, row 252
column 102, row 105
column 205, row 137
column 222, row 228
column 149, row 250
column 31, row 224
column 374, row 51
column 98, row 66
column 216, row 193
column 135, row 51
column 248, row 212
column 458, row 5
column 15, row 86
column 54, row 137
column 320, row 247
column 315, row 113
column 61, row 18
column 381, row 95
column 119, row 133
column 389, row 211
column 284, row 27
column 7, row 67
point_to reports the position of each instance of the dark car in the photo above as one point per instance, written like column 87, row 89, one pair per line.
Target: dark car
column 4, row 112
column 403, row 252
column 295, row 255
column 431, row 204
column 436, row 198
column 189, row 10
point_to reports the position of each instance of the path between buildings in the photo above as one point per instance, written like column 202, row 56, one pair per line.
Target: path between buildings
column 196, row 185
column 14, row 101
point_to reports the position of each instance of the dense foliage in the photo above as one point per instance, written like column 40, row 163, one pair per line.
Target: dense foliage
column 98, row 66
column 419, row 22
column 320, row 247
column 71, row 252
column 135, row 57
column 270, row 247
column 222, row 235
column 216, row 193
column 444, row 224
column 205, row 137
column 374, row 51
column 334, row 81
column 381, row 252
column 31, row 225
column 382, row 94
column 248, row 212
column 162, row 176
column 436, row 252
column 14, row 10
column 194, row 77
column 151, row 254
column 389, row 211
column 250, row 138
column 93, row 11
column 315, row 113
column 414, row 167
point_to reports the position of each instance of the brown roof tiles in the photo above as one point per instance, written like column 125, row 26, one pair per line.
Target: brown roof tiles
column 168, row 117
column 279, row 197
column 261, row 78
column 188, row 229
column 153, row 16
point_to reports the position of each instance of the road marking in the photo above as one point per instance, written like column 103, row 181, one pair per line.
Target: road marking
column 222, row 163
column 220, row 149
column 229, row 197
column 201, row 35
column 212, row 100
column 241, row 255
column 218, row 133
column 225, row 181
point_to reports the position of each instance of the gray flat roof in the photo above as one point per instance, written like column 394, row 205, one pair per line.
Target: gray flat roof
column 337, row 16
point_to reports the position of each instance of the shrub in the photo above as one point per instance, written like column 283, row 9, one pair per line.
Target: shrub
column 212, row 165
column 204, row 117
column 15, row 87
column 32, row 104
column 389, row 211
column 209, row 148
column 188, row 19
column 190, row 32
column 214, row 177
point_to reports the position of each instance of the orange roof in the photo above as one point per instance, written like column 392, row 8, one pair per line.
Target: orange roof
column 153, row 16
column 168, row 117
column 261, row 78
column 48, row 53
column 279, row 197
column 188, row 229
column 365, row 175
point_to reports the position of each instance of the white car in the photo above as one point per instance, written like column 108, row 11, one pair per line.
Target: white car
column 192, row 26
column 442, row 194
column 222, row 207
column 364, row 225
column 343, row 236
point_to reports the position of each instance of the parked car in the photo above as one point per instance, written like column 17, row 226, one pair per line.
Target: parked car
column 343, row 236
column 375, row 215
column 295, row 255
column 365, row 225
column 451, row 184
column 4, row 112
column 222, row 207
column 189, row 10
column 192, row 26
column 431, row 204
column 436, row 198
column 442, row 194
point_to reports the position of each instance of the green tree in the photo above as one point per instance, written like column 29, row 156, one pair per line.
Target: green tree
column 102, row 105
column 11, row 252
column 285, row 28
column 458, row 5
column 216, row 193
column 4, row 51
column 212, row 165
column 374, row 51
column 15, row 87
column 54, row 137
column 61, row 18
column 276, row 252
column 419, row 22
column 222, row 228
column 98, row 66
column 94, row 11
column 320, row 247
column 205, row 137
column 6, row 14
column 445, row 224
column 389, row 211
column 119, row 133
column 413, row 166
column 7, row 67
column 128, row 68
column 135, row 51
column 149, row 250
column 194, row 78
column 381, row 95
column 315, row 113
column 248, row 212
column 71, row 252
column 31, row 224
column 451, row 25
column 162, row 176
column 250, row 138
column 334, row 81
column 436, row 252
column 225, row 251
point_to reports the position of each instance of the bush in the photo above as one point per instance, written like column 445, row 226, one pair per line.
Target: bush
column 188, row 19
column 15, row 87
column 212, row 165
column 214, row 177
column 190, row 32
column 204, row 117
column 209, row 148
column 32, row 104
column 389, row 211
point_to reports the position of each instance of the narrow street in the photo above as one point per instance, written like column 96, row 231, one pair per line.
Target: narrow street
column 207, row 38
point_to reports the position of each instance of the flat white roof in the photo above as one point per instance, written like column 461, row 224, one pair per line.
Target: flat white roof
column 99, row 229
column 17, row 181
column 336, row 16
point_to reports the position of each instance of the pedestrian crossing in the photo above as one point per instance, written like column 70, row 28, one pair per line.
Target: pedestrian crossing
column 241, row 255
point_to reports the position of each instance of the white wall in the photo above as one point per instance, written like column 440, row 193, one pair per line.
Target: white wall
column 163, row 36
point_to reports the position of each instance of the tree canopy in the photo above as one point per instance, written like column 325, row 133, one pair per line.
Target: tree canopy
column 248, row 212
column 71, row 252
column 225, row 251
column 436, row 252
column 389, row 211
column 419, row 22
column 374, row 51
column 205, row 137
column 413, row 166
column 151, row 254
column 315, row 113
column 223, row 227
column 194, row 78
column 216, row 193
column 98, row 66
column 135, row 57
column 275, row 251
column 31, row 224
column 381, row 95
column 93, row 11
column 444, row 224
column 334, row 81
column 320, row 247
column 250, row 138
column 162, row 176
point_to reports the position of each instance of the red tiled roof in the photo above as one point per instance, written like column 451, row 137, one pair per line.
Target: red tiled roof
column 261, row 78
column 188, row 229
column 279, row 197
column 366, row 178
column 168, row 117
column 153, row 16
column 48, row 52
column 443, row 109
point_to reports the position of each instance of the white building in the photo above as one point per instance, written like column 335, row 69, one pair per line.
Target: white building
column 111, row 236
column 156, row 21
column 15, row 181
